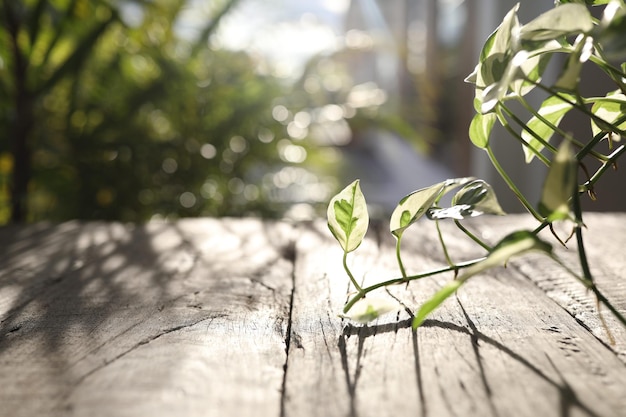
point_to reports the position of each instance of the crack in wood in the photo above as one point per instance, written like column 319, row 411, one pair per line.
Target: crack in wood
column 106, row 343
column 14, row 328
column 328, row 348
column 143, row 342
column 288, row 253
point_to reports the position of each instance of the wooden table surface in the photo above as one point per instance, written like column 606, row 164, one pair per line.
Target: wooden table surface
column 239, row 317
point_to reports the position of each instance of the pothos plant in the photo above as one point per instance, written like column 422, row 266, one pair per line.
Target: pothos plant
column 512, row 65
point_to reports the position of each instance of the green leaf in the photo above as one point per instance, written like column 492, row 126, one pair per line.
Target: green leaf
column 504, row 37
column 570, row 76
column 495, row 54
column 348, row 218
column 494, row 68
column 499, row 42
column 565, row 20
column 512, row 78
column 521, row 72
column 452, row 183
column 471, row 78
column 480, row 129
column 474, row 199
column 539, row 54
column 412, row 207
column 514, row 244
column 611, row 32
column 560, row 185
column 507, row 63
column 588, row 2
column 370, row 308
column 435, row 301
column 552, row 110
column 611, row 109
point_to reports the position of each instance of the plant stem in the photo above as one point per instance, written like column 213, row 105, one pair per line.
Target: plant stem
column 584, row 263
column 443, row 245
column 517, row 136
column 579, row 236
column 606, row 302
column 580, row 107
column 615, row 74
column 588, row 147
column 472, row 236
column 590, row 285
column 542, row 226
column 396, row 281
column 610, row 161
column 512, row 185
column 345, row 266
column 555, row 129
column 399, row 258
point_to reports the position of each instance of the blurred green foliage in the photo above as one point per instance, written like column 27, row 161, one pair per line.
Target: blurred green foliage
column 103, row 119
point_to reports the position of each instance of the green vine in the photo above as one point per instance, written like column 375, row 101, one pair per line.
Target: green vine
column 510, row 67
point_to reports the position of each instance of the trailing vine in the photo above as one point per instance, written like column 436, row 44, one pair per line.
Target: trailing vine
column 511, row 66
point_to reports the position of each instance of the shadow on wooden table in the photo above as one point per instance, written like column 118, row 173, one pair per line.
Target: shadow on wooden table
column 61, row 281
column 76, row 298
column 568, row 398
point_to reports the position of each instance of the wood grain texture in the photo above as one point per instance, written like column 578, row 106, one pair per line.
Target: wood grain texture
column 604, row 240
column 500, row 347
column 210, row 317
column 168, row 319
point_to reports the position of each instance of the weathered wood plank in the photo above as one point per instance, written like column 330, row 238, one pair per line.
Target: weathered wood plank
column 203, row 317
column 604, row 240
column 501, row 347
column 186, row 319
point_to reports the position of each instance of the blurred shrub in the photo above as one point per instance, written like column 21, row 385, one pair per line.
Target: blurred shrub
column 112, row 120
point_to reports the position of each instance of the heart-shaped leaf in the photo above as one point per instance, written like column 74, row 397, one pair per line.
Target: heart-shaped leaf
column 480, row 129
column 348, row 218
column 510, row 78
column 474, row 199
column 453, row 183
column 495, row 55
column 564, row 20
column 412, row 207
column 570, row 76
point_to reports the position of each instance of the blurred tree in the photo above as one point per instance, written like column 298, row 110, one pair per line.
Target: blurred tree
column 115, row 118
